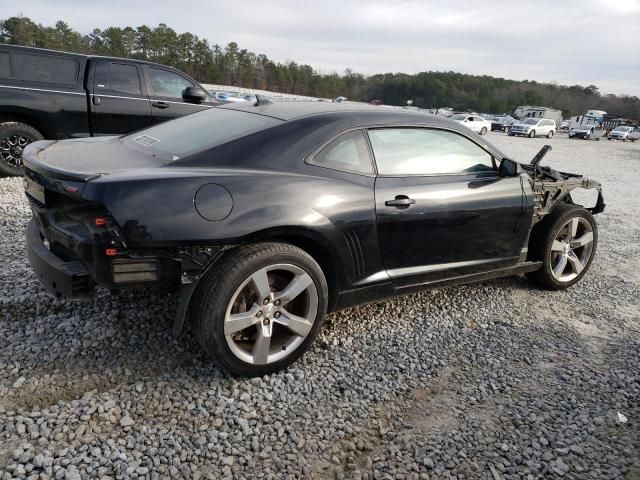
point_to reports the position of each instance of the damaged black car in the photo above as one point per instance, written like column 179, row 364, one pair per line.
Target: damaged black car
column 267, row 216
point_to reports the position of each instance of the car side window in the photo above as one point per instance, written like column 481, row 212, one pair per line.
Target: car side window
column 124, row 78
column 167, row 84
column 44, row 68
column 348, row 153
column 5, row 65
column 423, row 151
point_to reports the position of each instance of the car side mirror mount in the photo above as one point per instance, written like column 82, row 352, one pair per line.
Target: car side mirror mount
column 509, row 168
column 194, row 94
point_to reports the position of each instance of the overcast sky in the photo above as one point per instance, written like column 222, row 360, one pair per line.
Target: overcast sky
column 571, row 42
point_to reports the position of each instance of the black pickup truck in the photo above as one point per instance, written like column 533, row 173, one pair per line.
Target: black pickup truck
column 45, row 94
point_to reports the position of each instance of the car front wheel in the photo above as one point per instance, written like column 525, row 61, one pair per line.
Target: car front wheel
column 14, row 137
column 532, row 134
column 259, row 309
column 483, row 131
column 550, row 134
column 565, row 241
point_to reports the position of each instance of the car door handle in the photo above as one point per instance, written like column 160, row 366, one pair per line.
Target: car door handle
column 161, row 105
column 401, row 201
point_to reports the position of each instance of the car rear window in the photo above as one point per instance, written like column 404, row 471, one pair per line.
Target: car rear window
column 44, row 68
column 197, row 132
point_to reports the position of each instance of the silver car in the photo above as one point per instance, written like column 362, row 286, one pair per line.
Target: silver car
column 534, row 127
column 620, row 133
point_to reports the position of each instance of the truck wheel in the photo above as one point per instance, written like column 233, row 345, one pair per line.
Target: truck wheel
column 260, row 308
column 14, row 137
column 565, row 241
column 532, row 134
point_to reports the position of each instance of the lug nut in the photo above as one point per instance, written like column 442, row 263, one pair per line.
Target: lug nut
column 277, row 303
column 259, row 313
column 276, row 315
column 266, row 301
column 265, row 321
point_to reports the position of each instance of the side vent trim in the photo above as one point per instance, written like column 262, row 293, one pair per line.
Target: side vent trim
column 356, row 252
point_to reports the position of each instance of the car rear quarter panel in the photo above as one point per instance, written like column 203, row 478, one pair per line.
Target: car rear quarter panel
column 337, row 213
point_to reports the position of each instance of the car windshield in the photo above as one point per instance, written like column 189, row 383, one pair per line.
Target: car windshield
column 197, row 132
column 499, row 119
column 459, row 117
column 622, row 129
column 531, row 121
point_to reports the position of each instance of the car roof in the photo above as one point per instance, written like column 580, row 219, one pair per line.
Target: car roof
column 355, row 115
column 47, row 51
column 292, row 110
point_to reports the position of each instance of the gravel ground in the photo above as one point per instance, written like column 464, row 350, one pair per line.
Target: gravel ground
column 493, row 380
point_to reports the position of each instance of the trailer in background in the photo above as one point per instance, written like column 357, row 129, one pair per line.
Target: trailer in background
column 528, row 111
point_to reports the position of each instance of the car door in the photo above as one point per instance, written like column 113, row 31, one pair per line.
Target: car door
column 471, row 123
column 442, row 211
column 165, row 90
column 119, row 103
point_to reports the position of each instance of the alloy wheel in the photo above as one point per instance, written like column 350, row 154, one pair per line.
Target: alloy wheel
column 571, row 249
column 270, row 314
column 11, row 149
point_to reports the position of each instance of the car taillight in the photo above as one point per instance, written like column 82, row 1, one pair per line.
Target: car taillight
column 100, row 221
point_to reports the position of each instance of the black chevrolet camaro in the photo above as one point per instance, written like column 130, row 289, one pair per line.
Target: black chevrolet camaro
column 268, row 216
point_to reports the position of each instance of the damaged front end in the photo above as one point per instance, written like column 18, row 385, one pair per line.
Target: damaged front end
column 550, row 187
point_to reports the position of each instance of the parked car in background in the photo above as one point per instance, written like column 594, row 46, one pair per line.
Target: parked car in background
column 56, row 95
column 226, row 97
column 620, row 133
column 634, row 135
column 266, row 217
column 565, row 125
column 502, row 123
column 473, row 122
column 534, row 127
column 585, row 132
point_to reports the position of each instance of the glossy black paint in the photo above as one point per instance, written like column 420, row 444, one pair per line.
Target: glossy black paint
column 81, row 109
column 461, row 226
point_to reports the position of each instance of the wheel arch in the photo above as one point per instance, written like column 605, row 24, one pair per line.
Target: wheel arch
column 310, row 241
column 27, row 117
column 315, row 244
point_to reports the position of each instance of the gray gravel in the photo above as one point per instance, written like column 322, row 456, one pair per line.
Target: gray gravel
column 493, row 380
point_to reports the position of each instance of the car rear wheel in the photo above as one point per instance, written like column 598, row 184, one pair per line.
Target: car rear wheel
column 565, row 241
column 14, row 137
column 532, row 134
column 483, row 131
column 550, row 134
column 260, row 308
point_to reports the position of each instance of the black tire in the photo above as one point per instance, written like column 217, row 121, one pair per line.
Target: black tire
column 542, row 238
column 483, row 131
column 512, row 134
column 219, row 286
column 532, row 134
column 11, row 155
column 550, row 134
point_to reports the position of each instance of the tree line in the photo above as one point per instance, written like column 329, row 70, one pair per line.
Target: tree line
column 235, row 66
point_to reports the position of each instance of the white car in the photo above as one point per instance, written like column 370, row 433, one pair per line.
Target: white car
column 620, row 133
column 534, row 127
column 635, row 135
column 474, row 122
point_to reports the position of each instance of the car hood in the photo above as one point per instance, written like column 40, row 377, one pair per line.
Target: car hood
column 523, row 125
column 85, row 158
